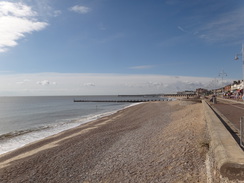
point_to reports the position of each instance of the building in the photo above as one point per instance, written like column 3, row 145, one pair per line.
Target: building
column 237, row 85
column 201, row 91
column 186, row 92
column 227, row 88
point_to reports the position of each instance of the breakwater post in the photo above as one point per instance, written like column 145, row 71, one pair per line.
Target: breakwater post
column 117, row 101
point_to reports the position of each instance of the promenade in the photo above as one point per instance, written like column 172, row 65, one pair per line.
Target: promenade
column 223, row 127
column 230, row 111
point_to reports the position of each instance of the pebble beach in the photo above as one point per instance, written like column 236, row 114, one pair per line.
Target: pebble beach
column 148, row 142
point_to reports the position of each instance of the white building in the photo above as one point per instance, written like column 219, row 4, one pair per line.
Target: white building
column 237, row 85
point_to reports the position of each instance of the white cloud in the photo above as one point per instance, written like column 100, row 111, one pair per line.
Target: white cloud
column 44, row 82
column 23, row 82
column 89, row 84
column 44, row 8
column 16, row 20
column 80, row 9
column 181, row 29
column 227, row 27
column 57, row 13
column 20, row 82
column 15, row 9
column 105, row 84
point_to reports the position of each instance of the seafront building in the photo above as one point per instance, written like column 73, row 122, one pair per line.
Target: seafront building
column 231, row 90
column 235, row 87
column 201, row 91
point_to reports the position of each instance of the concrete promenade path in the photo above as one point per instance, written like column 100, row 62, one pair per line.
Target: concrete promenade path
column 231, row 109
column 224, row 128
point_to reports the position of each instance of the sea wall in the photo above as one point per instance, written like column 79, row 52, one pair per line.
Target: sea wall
column 226, row 158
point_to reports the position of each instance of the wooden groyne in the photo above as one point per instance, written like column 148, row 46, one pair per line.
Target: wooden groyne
column 118, row 101
column 146, row 95
column 179, row 95
column 143, row 98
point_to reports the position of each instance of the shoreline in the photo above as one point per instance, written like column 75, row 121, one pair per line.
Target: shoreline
column 66, row 133
column 145, row 142
column 43, row 130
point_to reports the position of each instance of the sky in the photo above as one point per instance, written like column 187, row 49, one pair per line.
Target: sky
column 99, row 47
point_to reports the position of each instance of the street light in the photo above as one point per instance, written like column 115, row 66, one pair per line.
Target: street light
column 237, row 58
column 222, row 74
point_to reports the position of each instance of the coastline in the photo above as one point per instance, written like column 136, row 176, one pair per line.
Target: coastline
column 17, row 139
column 155, row 141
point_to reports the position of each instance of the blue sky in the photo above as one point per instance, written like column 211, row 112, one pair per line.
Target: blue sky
column 81, row 47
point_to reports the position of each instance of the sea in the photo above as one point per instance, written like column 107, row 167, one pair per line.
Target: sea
column 27, row 119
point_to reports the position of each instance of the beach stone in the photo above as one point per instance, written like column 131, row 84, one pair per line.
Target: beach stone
column 149, row 142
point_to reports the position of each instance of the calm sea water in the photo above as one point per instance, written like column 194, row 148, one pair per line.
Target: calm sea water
column 27, row 119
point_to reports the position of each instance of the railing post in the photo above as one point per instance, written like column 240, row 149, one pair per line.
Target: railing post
column 242, row 131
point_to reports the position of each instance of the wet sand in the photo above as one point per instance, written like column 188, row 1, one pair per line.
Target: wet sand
column 150, row 142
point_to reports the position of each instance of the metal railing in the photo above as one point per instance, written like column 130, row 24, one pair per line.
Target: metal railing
column 242, row 131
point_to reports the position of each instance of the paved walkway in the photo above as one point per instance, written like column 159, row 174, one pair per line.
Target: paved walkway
column 231, row 109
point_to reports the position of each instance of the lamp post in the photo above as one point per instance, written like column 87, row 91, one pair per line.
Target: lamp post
column 237, row 58
column 222, row 74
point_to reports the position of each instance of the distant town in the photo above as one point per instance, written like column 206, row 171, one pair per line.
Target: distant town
column 232, row 90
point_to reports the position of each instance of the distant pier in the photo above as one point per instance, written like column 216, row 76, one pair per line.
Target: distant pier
column 160, row 95
column 120, row 101
column 179, row 95
column 146, row 95
column 143, row 98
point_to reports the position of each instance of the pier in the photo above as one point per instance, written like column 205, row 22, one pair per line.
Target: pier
column 142, row 98
column 179, row 95
column 122, row 101
column 162, row 95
